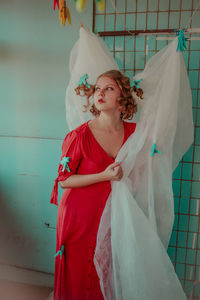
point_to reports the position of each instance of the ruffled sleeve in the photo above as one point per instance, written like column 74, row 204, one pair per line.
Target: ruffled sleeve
column 69, row 162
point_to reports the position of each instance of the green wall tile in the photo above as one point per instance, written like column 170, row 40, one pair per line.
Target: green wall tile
column 141, row 21
column 183, row 222
column 120, row 21
column 109, row 23
column 175, row 5
column 131, row 5
column 180, row 268
column 185, row 189
column 164, row 4
column 152, row 20
column 196, row 189
column 181, row 253
column 184, row 205
column 193, row 223
column 182, row 239
column 163, row 20
column 130, row 21
column 153, row 5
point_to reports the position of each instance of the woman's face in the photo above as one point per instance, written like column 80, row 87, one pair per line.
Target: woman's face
column 106, row 94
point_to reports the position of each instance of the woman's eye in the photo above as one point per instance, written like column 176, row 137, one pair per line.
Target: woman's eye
column 109, row 88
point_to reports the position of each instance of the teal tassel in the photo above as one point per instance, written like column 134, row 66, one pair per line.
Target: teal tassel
column 154, row 150
column 61, row 251
column 181, row 40
column 64, row 162
column 83, row 79
column 136, row 83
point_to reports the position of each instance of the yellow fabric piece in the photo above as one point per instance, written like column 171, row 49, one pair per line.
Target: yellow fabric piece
column 64, row 13
column 80, row 5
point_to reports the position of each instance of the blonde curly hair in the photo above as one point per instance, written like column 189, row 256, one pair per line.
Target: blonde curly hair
column 127, row 102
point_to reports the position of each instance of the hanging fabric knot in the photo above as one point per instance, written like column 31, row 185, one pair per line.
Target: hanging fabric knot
column 83, row 80
column 154, row 150
column 61, row 251
column 181, row 40
column 64, row 162
column 136, row 83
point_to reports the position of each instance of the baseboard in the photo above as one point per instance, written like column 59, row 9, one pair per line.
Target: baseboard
column 22, row 275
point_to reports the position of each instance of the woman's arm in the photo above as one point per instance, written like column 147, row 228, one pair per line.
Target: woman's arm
column 112, row 172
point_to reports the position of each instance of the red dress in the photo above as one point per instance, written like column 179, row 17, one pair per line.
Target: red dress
column 79, row 215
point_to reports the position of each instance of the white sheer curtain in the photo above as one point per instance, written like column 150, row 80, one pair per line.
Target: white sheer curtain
column 139, row 215
column 131, row 257
column 90, row 56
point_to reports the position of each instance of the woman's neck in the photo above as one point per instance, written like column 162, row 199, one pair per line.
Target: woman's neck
column 110, row 123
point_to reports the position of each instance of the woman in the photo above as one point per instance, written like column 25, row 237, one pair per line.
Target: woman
column 87, row 167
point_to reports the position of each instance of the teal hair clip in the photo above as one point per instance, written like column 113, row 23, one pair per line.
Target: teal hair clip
column 64, row 162
column 136, row 83
column 83, row 80
column 181, row 40
column 154, row 150
column 61, row 251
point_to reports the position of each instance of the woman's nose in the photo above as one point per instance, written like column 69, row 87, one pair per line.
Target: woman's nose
column 101, row 91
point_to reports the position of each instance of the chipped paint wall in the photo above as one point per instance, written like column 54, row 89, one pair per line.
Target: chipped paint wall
column 34, row 56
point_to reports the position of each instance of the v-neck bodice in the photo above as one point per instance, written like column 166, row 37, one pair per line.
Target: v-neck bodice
column 95, row 140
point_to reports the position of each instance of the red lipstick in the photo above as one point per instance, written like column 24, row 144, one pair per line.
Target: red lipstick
column 101, row 101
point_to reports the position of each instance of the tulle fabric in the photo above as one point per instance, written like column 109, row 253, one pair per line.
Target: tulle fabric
column 90, row 56
column 131, row 258
column 139, row 215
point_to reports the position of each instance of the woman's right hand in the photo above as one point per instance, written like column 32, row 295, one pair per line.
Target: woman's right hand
column 113, row 172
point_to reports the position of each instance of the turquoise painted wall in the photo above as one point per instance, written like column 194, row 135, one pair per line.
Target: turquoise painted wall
column 34, row 56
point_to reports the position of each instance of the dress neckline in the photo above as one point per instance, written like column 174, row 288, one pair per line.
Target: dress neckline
column 113, row 158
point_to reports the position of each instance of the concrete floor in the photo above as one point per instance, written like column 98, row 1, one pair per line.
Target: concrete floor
column 18, row 291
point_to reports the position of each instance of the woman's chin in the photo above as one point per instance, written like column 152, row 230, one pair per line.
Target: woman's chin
column 100, row 105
